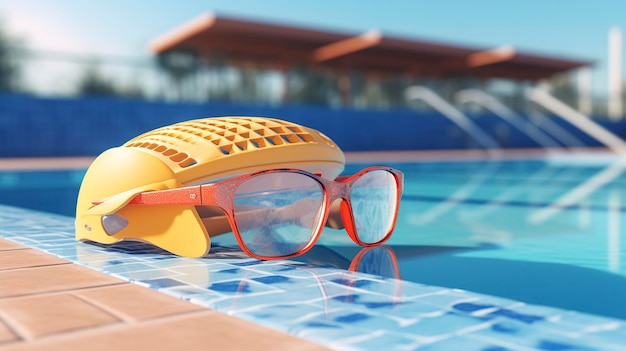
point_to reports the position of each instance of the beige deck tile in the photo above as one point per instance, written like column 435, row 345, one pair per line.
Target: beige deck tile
column 12, row 259
column 132, row 302
column 207, row 330
column 18, row 282
column 63, row 306
column 36, row 316
column 6, row 335
column 10, row 245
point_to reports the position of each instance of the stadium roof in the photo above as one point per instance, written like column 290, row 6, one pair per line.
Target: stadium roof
column 280, row 45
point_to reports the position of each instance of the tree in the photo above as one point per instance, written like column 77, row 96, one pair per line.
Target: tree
column 180, row 65
column 9, row 69
column 311, row 86
column 92, row 83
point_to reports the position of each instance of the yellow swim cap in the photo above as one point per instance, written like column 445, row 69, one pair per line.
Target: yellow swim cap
column 184, row 154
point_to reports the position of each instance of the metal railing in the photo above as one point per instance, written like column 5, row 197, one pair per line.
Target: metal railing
column 453, row 114
column 499, row 109
column 584, row 123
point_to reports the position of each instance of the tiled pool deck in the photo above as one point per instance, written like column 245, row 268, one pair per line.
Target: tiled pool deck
column 46, row 302
column 57, row 293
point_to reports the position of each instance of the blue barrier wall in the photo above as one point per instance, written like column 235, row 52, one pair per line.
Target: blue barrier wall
column 31, row 126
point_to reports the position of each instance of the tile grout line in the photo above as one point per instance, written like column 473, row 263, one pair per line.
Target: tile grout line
column 17, row 249
column 110, row 327
column 130, row 320
column 35, row 266
column 13, row 327
column 43, row 294
column 59, row 291
column 104, row 308
column 101, row 308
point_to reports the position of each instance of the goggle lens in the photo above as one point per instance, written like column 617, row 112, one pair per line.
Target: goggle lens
column 278, row 213
column 374, row 201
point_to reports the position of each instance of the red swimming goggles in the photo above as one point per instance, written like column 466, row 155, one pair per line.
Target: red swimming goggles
column 280, row 213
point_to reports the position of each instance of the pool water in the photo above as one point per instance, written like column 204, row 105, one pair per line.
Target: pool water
column 51, row 190
column 545, row 232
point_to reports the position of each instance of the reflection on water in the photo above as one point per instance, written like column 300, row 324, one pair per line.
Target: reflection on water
column 379, row 260
column 536, row 211
column 580, row 192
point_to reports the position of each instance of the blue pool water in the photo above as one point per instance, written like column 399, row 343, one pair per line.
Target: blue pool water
column 51, row 191
column 546, row 232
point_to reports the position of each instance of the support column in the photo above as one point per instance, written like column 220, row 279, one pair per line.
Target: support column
column 344, row 83
column 284, row 76
column 615, row 80
column 584, row 91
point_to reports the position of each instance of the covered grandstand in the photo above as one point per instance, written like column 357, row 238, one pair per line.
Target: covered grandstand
column 348, row 60
column 409, row 94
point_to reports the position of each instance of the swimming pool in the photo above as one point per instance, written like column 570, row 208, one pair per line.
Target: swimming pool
column 545, row 232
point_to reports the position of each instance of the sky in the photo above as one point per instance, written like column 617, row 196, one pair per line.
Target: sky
column 574, row 29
